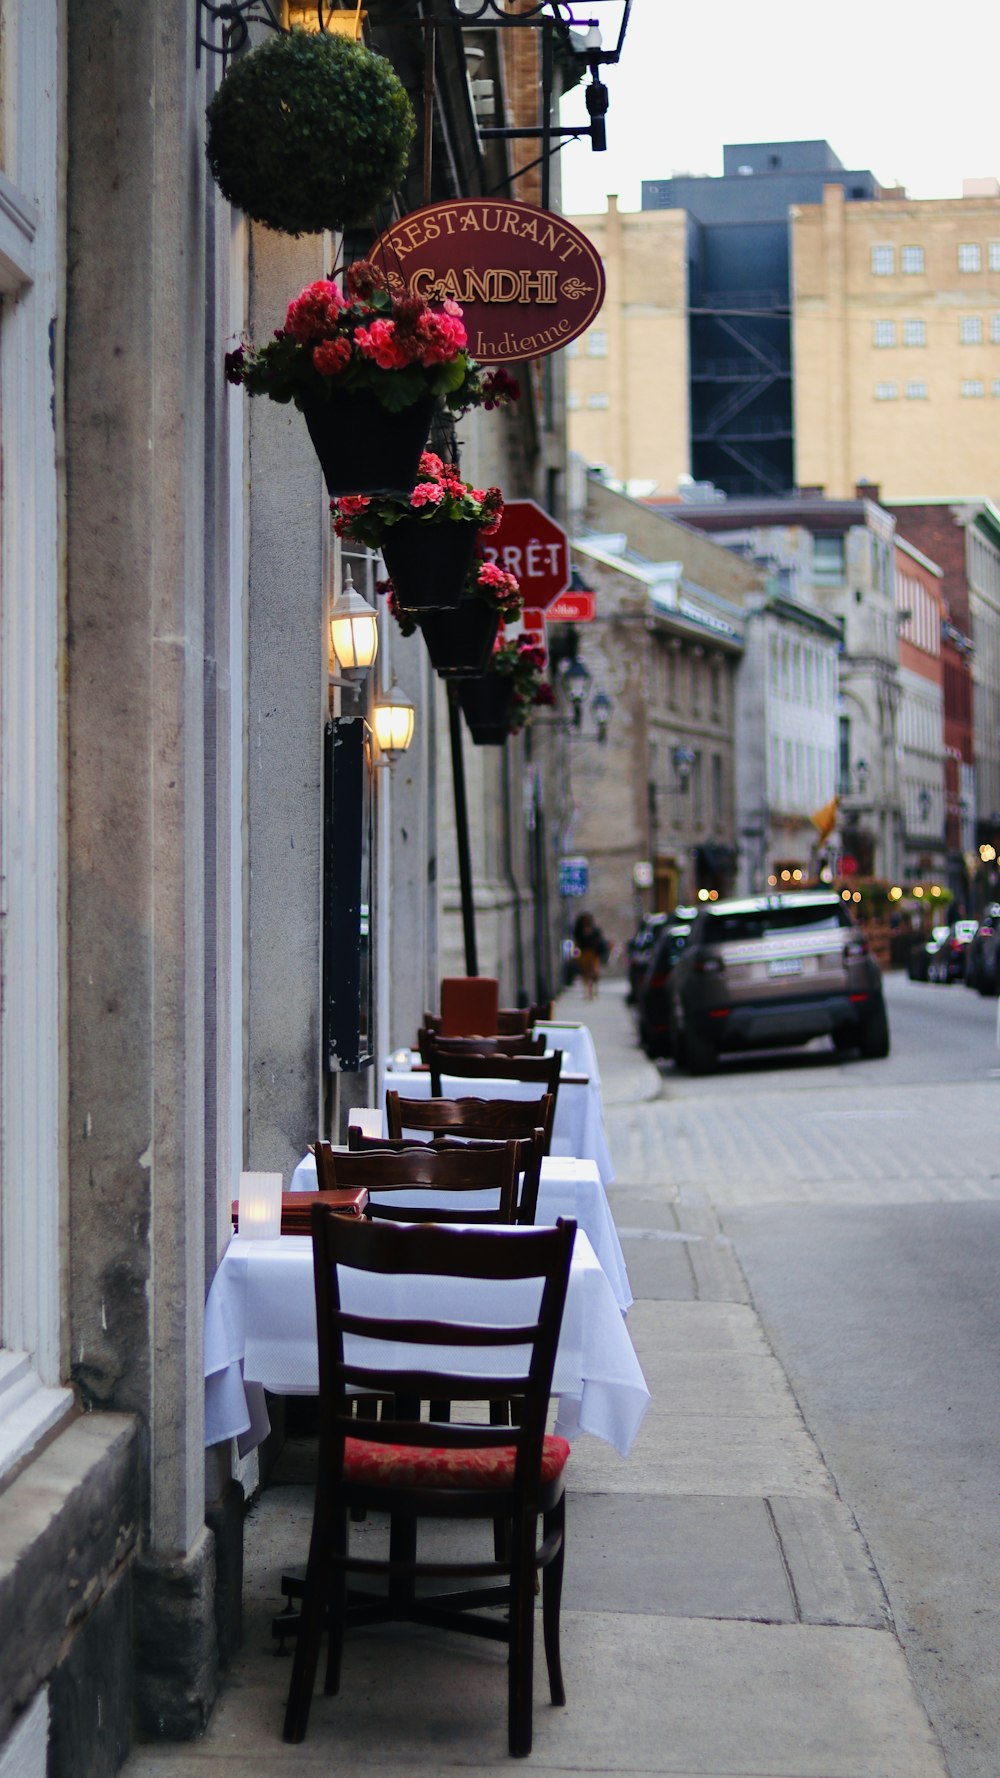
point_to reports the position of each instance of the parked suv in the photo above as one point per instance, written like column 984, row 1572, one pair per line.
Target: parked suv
column 982, row 958
column 653, row 994
column 773, row 971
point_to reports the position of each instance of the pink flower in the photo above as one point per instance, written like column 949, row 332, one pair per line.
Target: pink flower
column 379, row 342
column 431, row 467
column 330, row 356
column 351, row 504
column 427, row 494
column 544, row 694
column 440, row 337
column 315, row 311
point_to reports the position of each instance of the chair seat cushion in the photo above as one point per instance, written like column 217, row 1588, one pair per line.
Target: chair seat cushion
column 414, row 1466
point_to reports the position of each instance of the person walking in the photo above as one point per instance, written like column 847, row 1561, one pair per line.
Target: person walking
column 592, row 949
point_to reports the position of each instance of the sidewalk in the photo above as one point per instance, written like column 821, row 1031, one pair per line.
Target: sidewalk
column 721, row 1615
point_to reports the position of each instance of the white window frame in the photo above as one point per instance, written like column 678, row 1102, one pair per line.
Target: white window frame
column 995, row 330
column 31, row 1398
column 883, row 334
column 995, row 387
column 970, row 330
column 597, row 342
column 599, row 400
column 993, row 255
column 916, row 390
column 970, row 256
column 972, row 388
column 911, row 261
column 886, row 392
column 883, row 261
column 915, row 331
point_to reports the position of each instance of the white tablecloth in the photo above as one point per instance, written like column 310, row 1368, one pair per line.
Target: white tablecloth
column 576, row 1043
column 567, row 1187
column 260, row 1333
column 578, row 1132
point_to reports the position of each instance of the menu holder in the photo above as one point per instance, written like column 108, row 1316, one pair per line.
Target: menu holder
column 296, row 1208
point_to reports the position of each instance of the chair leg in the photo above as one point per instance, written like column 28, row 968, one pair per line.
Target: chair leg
column 337, row 1602
column 552, row 1579
column 310, row 1628
column 522, row 1638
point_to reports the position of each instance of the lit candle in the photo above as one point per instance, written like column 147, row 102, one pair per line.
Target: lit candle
column 260, row 1205
column 366, row 1118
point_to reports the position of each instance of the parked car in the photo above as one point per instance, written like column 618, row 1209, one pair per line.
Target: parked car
column 640, row 947
column 652, row 996
column 920, row 955
column 773, row 971
column 946, row 959
column 982, row 957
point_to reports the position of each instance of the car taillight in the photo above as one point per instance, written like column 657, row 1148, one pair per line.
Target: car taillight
column 855, row 947
column 707, row 965
column 956, row 944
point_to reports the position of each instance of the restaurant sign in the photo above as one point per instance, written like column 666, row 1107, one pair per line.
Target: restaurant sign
column 527, row 279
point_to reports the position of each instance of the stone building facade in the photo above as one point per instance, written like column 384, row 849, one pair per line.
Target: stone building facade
column 922, row 782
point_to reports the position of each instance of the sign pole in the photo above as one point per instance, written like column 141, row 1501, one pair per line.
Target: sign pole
column 462, row 832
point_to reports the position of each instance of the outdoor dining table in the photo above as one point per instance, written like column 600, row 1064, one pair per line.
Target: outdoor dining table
column 578, row 1132
column 568, row 1187
column 260, row 1334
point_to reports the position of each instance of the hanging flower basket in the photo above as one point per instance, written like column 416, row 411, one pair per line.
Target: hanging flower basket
column 365, row 369
column 428, row 537
column 488, row 707
column 310, row 131
column 429, row 564
column 460, row 642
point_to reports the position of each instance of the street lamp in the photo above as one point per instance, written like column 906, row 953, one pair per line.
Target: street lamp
column 600, row 709
column 861, row 776
column 392, row 719
column 576, row 679
column 353, row 632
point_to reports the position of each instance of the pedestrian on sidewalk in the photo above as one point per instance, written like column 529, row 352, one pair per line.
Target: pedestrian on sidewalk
column 592, row 949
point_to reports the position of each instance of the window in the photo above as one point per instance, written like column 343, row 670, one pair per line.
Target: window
column 883, row 262
column 598, row 401
column 973, row 387
column 572, row 350
column 970, row 256
column 996, row 386
column 717, row 790
column 884, row 333
column 911, row 260
column 970, row 330
column 914, row 333
column 572, row 401
column 995, row 330
column 994, row 256
column 828, row 558
column 916, row 391
column 597, row 343
column 885, row 391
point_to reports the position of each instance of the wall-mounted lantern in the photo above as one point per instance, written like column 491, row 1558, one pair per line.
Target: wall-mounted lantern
column 393, row 719
column 353, row 632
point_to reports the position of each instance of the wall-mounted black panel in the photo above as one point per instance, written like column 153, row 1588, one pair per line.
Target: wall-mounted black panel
column 348, row 965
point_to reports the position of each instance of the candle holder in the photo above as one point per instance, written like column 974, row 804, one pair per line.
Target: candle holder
column 260, row 1205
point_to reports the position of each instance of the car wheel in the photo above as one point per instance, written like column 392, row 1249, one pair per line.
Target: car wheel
column 874, row 1038
column 700, row 1054
column 844, row 1040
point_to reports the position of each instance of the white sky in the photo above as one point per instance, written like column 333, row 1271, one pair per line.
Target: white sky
column 908, row 90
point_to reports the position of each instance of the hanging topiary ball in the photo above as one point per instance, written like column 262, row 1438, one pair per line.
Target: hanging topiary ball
column 309, row 131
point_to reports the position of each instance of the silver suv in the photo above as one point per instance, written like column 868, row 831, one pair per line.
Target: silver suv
column 773, row 971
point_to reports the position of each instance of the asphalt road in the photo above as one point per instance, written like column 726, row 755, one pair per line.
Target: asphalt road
column 863, row 1200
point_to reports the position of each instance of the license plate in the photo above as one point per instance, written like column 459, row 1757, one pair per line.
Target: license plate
column 785, row 966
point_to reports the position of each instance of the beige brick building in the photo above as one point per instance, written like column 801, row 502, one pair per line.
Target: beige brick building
column 628, row 376
column 896, row 343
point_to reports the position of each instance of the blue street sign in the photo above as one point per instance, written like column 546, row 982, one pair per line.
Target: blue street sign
column 574, row 876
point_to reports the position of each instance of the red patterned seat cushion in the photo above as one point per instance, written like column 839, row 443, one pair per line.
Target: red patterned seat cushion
column 413, row 1466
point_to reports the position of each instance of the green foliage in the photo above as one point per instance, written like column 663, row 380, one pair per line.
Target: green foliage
column 309, row 132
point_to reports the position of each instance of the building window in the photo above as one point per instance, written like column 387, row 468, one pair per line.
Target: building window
column 996, row 385
column 914, row 333
column 994, row 253
column 973, row 387
column 716, row 692
column 970, row 330
column 717, row 790
column 844, row 755
column 995, row 330
column 828, row 558
column 916, row 391
column 886, row 392
column 970, row 256
column 598, row 401
column 911, row 260
column 884, row 333
column 597, row 343
column 883, row 262
column 572, row 349
column 572, row 401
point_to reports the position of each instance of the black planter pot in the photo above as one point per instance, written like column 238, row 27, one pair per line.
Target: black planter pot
column 429, row 563
column 364, row 449
column 460, row 642
column 487, row 705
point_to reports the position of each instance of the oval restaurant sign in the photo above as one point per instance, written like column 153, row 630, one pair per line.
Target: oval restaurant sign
column 528, row 280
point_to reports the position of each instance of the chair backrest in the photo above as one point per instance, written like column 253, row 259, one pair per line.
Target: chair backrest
column 429, row 1042
column 492, row 1120
column 529, row 1151
column 541, row 1069
column 454, row 1172
column 511, row 1020
column 454, row 1271
column 469, row 1005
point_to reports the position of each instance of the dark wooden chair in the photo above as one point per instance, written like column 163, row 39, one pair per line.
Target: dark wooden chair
column 430, row 1043
column 512, row 1020
column 527, row 1161
column 412, row 1468
column 469, row 1004
column 488, row 1120
column 426, row 1168
column 544, row 1070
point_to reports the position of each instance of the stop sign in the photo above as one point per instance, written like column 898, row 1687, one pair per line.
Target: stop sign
column 533, row 548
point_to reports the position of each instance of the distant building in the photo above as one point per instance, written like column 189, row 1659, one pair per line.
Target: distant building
column 920, row 726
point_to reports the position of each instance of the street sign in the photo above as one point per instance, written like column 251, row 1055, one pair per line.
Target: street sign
column 574, row 876
column 572, row 608
column 533, row 548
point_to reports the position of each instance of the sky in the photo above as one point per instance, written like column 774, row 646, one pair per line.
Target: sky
column 907, row 90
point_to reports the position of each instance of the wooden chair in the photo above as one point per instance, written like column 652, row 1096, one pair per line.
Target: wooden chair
column 512, row 1020
column 489, row 1120
column 430, row 1041
column 413, row 1468
column 469, row 1004
column 544, row 1070
column 424, row 1167
column 527, row 1161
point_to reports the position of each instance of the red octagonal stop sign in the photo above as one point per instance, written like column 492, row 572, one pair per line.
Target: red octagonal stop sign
column 533, row 548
